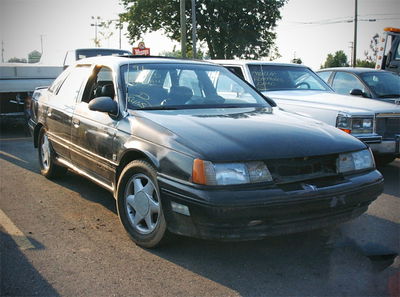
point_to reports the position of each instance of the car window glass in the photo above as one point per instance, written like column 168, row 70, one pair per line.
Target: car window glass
column 58, row 81
column 99, row 85
column 158, row 85
column 397, row 52
column 71, row 86
column 188, row 78
column 384, row 84
column 237, row 70
column 325, row 75
column 344, row 82
column 275, row 78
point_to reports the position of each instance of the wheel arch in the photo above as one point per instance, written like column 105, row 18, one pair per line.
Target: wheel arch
column 130, row 156
column 36, row 134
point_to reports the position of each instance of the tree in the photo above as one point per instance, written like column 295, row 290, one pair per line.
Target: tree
column 17, row 60
column 365, row 63
column 297, row 61
column 189, row 53
column 339, row 59
column 34, row 56
column 239, row 28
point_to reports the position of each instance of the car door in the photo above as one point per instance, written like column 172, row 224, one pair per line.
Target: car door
column 60, row 106
column 93, row 132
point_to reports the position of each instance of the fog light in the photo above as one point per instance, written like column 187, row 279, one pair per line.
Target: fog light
column 180, row 208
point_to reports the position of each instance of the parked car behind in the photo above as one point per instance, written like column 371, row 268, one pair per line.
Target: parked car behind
column 181, row 155
column 298, row 89
column 363, row 82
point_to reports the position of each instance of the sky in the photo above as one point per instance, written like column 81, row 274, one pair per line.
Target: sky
column 309, row 29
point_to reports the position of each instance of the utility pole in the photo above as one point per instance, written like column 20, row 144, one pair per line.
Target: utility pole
column 95, row 25
column 355, row 36
column 2, row 51
column 41, row 44
column 183, row 28
column 352, row 49
column 194, row 32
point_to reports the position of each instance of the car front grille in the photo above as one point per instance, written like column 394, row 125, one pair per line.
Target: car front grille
column 302, row 169
column 388, row 126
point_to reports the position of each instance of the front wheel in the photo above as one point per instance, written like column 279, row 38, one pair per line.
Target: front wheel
column 48, row 167
column 139, row 204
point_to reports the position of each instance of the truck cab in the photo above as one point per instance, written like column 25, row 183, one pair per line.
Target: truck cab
column 389, row 51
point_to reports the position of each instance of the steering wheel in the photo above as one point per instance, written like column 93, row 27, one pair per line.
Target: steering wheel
column 303, row 83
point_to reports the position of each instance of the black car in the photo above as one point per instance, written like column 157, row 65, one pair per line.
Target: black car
column 365, row 82
column 189, row 148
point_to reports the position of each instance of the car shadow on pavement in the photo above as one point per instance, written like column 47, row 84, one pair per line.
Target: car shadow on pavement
column 329, row 262
column 391, row 173
column 17, row 275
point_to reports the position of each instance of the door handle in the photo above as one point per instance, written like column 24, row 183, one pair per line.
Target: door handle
column 393, row 66
column 76, row 123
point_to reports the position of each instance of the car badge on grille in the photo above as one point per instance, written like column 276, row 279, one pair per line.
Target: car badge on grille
column 309, row 187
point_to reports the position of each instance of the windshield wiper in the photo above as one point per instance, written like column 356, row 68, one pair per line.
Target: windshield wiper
column 389, row 96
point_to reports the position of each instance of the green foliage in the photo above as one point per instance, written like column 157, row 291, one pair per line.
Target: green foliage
column 34, row 56
column 365, row 63
column 178, row 54
column 17, row 60
column 230, row 28
column 297, row 61
column 339, row 59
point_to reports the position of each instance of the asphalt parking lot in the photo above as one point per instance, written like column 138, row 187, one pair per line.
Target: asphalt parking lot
column 64, row 238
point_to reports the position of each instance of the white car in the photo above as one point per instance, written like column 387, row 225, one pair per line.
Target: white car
column 298, row 89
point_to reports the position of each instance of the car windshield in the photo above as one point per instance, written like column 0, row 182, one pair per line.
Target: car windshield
column 384, row 84
column 185, row 86
column 277, row 78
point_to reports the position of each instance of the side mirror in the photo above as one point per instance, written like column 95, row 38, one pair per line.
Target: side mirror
column 356, row 92
column 104, row 104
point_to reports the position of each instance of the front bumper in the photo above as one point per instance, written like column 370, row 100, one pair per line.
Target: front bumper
column 253, row 213
column 382, row 146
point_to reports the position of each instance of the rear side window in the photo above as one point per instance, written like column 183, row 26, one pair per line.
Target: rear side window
column 71, row 86
column 325, row 75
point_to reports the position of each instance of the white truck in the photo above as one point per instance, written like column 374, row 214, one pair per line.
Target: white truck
column 388, row 57
column 19, row 80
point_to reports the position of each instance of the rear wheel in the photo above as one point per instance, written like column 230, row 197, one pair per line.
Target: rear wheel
column 48, row 167
column 139, row 204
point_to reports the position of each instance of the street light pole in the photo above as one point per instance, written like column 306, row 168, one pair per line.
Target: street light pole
column 183, row 28
column 95, row 25
column 355, row 36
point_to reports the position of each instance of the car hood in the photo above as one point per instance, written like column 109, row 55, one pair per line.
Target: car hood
column 245, row 133
column 334, row 101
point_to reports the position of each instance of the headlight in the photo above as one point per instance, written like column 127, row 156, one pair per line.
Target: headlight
column 207, row 173
column 355, row 161
column 355, row 125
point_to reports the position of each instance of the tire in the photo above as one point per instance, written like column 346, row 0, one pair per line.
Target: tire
column 139, row 205
column 382, row 160
column 48, row 167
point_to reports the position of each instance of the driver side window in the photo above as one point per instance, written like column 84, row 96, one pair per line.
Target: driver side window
column 344, row 82
column 99, row 85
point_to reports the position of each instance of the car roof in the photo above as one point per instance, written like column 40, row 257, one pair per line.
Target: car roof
column 116, row 61
column 356, row 70
column 255, row 62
